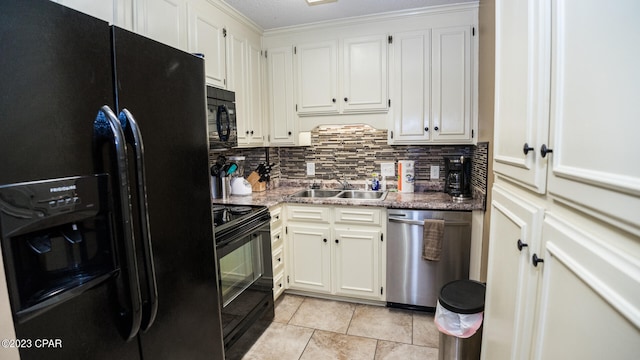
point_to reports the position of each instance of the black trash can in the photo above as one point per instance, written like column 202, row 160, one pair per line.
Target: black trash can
column 459, row 311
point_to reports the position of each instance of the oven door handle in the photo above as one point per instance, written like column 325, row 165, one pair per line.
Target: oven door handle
column 134, row 138
column 108, row 128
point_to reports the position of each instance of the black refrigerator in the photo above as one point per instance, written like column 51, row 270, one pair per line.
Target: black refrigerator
column 105, row 212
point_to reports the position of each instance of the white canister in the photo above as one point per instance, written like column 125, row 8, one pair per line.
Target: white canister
column 406, row 174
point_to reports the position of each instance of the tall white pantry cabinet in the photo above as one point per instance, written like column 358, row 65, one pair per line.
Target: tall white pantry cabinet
column 563, row 276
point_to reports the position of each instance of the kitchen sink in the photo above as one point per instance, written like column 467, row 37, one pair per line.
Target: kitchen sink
column 316, row 193
column 362, row 195
column 341, row 194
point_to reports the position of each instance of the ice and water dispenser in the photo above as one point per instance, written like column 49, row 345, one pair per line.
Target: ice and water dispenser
column 56, row 240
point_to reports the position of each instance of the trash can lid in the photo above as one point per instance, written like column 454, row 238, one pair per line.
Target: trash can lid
column 463, row 296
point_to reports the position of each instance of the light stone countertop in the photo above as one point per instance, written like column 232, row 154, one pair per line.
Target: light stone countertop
column 393, row 200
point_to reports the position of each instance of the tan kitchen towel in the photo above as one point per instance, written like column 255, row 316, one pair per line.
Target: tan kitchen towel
column 432, row 237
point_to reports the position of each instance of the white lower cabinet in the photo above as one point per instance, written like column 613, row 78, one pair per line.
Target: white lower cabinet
column 336, row 250
column 277, row 250
column 356, row 253
column 309, row 250
column 559, row 285
column 511, row 280
column 588, row 304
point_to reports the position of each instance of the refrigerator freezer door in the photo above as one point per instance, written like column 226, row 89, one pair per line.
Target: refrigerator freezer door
column 56, row 74
column 164, row 89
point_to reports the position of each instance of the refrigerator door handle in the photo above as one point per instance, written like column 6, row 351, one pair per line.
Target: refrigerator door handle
column 134, row 138
column 106, row 125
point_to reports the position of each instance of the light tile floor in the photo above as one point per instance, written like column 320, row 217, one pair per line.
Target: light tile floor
column 308, row 328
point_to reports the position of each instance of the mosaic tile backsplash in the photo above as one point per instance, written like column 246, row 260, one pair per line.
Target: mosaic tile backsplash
column 354, row 152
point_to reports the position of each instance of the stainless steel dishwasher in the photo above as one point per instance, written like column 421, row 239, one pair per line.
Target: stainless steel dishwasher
column 413, row 282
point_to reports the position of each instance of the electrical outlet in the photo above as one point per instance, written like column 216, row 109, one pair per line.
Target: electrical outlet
column 387, row 169
column 311, row 169
column 435, row 172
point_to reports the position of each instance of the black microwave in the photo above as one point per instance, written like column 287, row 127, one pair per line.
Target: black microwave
column 221, row 118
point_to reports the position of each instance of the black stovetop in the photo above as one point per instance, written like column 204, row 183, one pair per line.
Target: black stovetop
column 232, row 218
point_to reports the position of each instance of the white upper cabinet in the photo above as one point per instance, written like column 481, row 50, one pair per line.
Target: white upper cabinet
column 595, row 79
column 255, row 123
column 552, row 93
column 432, row 87
column 282, row 118
column 451, row 84
column 352, row 80
column 364, row 76
column 317, row 77
column 163, row 20
column 522, row 82
column 207, row 36
column 244, row 78
column 411, row 88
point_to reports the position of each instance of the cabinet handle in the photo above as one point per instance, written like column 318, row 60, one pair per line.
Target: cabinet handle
column 526, row 148
column 333, row 100
column 535, row 260
column 337, row 241
column 277, row 236
column 251, row 132
column 289, row 133
column 435, row 128
column 247, row 132
column 521, row 245
column 426, row 129
column 346, row 99
column 325, row 240
column 544, row 150
column 280, row 285
column 279, row 260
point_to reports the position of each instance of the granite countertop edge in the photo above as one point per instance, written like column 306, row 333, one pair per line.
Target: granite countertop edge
column 393, row 200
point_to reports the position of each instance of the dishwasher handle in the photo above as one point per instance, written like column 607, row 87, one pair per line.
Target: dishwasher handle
column 421, row 222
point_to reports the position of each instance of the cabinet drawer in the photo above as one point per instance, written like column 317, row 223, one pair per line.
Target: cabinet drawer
column 278, row 285
column 364, row 216
column 276, row 237
column 308, row 213
column 278, row 260
column 276, row 216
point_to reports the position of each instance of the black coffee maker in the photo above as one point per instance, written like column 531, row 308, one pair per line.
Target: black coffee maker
column 458, row 177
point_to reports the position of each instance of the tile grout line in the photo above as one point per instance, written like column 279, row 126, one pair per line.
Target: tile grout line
column 307, row 345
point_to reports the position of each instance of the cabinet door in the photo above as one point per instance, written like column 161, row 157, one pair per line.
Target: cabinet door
column 594, row 111
column 522, row 91
column 357, row 262
column 588, row 304
column 511, row 279
column 281, row 97
column 163, row 20
column 316, row 67
column 254, row 95
column 364, row 78
column 309, row 267
column 411, row 87
column 451, row 87
column 237, row 82
column 207, row 36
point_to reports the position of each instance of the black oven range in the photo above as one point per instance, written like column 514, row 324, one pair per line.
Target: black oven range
column 245, row 275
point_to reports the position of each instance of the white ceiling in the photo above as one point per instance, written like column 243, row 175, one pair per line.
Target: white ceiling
column 272, row 14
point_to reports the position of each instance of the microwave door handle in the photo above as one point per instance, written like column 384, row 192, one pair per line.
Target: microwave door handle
column 134, row 138
column 222, row 110
column 107, row 126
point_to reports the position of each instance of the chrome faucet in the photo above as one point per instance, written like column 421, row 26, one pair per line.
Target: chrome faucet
column 345, row 184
